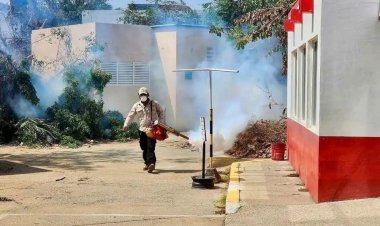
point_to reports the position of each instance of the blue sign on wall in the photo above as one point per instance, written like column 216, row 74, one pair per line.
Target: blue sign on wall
column 188, row 75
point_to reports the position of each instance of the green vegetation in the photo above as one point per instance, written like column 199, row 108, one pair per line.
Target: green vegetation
column 220, row 203
column 14, row 83
column 70, row 142
column 79, row 110
column 76, row 116
column 112, row 125
column 164, row 12
column 250, row 20
column 7, row 123
column 36, row 132
column 68, row 123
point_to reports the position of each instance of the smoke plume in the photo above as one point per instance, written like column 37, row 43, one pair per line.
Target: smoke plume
column 257, row 92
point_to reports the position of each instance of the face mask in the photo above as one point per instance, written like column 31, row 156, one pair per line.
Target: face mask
column 143, row 98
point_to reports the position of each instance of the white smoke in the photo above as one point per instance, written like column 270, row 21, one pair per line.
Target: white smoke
column 24, row 108
column 258, row 91
column 49, row 89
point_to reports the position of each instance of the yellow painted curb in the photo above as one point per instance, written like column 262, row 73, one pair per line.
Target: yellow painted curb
column 233, row 194
column 234, row 172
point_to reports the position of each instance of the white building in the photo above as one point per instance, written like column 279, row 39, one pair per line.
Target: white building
column 333, row 93
column 136, row 56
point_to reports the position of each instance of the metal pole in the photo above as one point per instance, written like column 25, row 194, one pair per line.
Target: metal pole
column 204, row 160
column 210, row 70
column 211, row 120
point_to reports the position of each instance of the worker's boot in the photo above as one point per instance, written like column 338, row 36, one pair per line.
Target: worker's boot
column 151, row 167
column 145, row 167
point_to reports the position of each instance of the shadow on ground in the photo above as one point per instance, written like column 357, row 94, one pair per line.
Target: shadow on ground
column 13, row 168
column 158, row 171
column 72, row 159
column 182, row 160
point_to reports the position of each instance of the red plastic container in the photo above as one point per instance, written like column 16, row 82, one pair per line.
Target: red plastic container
column 278, row 151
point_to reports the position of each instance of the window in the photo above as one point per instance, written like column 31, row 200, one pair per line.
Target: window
column 314, row 83
column 303, row 83
column 134, row 73
column 293, row 84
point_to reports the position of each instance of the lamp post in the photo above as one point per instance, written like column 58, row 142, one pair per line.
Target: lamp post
column 209, row 70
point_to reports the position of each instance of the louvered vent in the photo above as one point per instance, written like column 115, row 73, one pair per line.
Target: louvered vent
column 124, row 74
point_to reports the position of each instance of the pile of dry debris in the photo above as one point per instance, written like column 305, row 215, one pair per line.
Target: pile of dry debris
column 255, row 141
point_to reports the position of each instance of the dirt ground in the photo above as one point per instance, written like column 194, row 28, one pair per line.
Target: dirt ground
column 104, row 184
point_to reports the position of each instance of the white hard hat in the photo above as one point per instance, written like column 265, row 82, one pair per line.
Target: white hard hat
column 143, row 90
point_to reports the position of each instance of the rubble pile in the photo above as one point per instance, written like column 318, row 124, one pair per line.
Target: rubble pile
column 255, row 141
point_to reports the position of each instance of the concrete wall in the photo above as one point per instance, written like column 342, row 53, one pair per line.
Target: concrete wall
column 119, row 42
column 192, row 53
column 350, row 68
column 120, row 98
column 348, row 156
column 125, row 43
column 179, row 47
column 55, row 51
column 165, row 61
column 121, row 45
column 102, row 16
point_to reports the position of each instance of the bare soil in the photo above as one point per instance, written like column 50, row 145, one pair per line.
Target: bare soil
column 103, row 184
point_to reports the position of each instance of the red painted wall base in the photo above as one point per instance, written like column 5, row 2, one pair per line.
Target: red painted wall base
column 335, row 168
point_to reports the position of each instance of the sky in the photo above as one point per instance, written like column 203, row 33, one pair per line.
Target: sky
column 195, row 4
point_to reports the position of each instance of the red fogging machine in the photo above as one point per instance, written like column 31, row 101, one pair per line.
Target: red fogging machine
column 159, row 132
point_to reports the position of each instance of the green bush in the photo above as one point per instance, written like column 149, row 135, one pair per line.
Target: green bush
column 79, row 109
column 14, row 81
column 31, row 132
column 111, row 118
column 7, row 130
column 8, row 120
column 92, row 112
column 132, row 132
column 70, row 142
column 69, row 124
column 112, row 126
column 110, row 122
